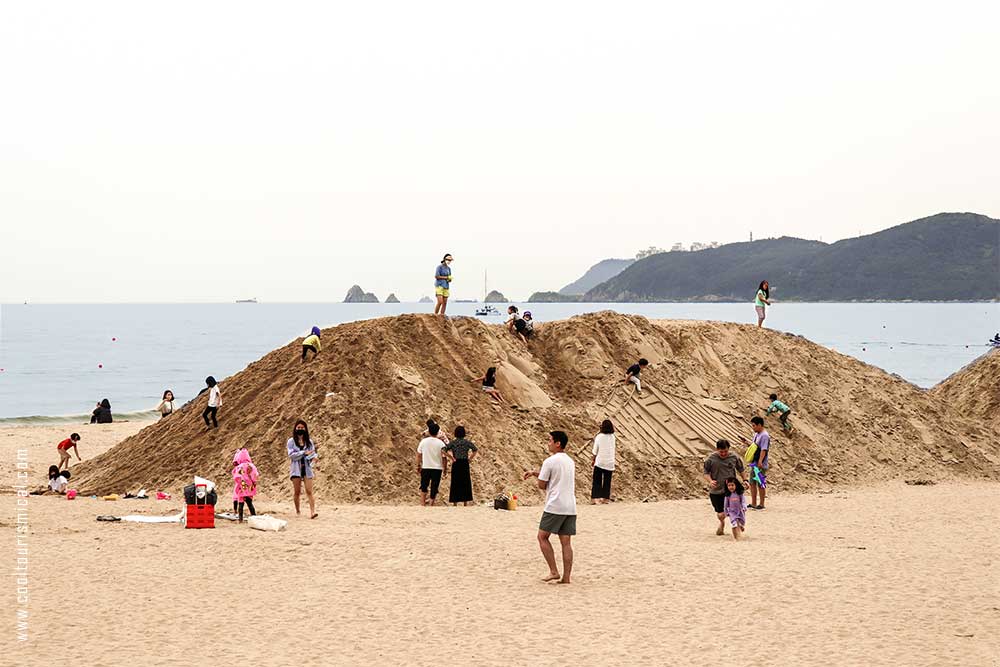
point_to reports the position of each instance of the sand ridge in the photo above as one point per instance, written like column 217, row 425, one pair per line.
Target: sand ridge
column 367, row 395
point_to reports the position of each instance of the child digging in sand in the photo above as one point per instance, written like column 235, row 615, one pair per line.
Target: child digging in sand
column 736, row 507
column 782, row 409
column 245, row 477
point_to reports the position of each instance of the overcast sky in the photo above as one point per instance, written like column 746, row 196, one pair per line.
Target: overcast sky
column 207, row 151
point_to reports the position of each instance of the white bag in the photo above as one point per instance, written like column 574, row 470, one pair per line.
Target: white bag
column 266, row 522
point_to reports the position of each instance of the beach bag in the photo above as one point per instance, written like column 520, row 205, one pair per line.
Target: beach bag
column 500, row 502
column 750, row 453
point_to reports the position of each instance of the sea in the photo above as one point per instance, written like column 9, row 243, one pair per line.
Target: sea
column 58, row 361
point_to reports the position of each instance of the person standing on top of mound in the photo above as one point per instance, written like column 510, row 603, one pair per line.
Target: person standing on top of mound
column 632, row 374
column 442, row 284
column 719, row 467
column 311, row 342
column 762, row 301
column 557, row 477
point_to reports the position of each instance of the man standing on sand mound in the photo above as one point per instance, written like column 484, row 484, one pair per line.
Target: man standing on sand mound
column 721, row 465
column 557, row 478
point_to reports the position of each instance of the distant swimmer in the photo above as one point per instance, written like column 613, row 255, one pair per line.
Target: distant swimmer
column 557, row 478
column 489, row 381
column 102, row 413
column 782, row 410
column 166, row 406
column 632, row 374
column 761, row 301
column 214, row 402
column 311, row 342
column 64, row 447
column 442, row 284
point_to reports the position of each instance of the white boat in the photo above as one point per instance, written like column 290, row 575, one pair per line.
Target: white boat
column 246, row 300
column 487, row 309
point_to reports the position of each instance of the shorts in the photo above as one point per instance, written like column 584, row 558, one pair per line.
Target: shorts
column 560, row 524
column 635, row 380
column 488, row 388
column 718, row 502
column 430, row 477
column 441, row 291
column 760, row 312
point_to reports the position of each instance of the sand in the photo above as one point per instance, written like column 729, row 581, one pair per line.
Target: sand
column 367, row 395
column 874, row 575
column 975, row 389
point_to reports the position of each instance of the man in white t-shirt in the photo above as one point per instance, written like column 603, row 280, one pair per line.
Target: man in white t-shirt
column 557, row 478
column 431, row 463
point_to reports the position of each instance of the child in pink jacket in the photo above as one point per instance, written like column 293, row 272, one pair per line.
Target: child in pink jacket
column 244, row 482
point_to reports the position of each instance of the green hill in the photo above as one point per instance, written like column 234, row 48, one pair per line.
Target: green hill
column 949, row 256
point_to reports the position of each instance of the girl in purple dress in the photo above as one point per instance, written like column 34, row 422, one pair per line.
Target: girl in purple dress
column 736, row 506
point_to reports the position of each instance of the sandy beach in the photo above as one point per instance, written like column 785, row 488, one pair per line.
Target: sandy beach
column 873, row 575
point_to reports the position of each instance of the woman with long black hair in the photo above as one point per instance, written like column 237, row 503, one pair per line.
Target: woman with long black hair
column 603, row 461
column 462, row 452
column 302, row 453
column 762, row 301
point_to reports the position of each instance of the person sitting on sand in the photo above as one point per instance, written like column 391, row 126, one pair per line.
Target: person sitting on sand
column 516, row 324
column 529, row 324
column 311, row 342
column 431, row 464
column 782, row 409
column 63, row 449
column 489, row 381
column 302, row 453
column 214, row 402
column 245, row 478
column 58, row 481
column 632, row 374
column 166, row 406
column 557, row 478
column 719, row 467
column 461, row 452
column 759, row 462
column 736, row 506
column 102, row 413
column 761, row 301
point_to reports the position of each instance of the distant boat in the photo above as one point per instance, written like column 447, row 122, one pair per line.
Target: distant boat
column 487, row 311
column 246, row 300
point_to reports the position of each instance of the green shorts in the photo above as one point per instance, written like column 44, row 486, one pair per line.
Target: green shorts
column 560, row 524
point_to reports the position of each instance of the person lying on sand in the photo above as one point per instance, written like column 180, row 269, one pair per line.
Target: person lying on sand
column 557, row 478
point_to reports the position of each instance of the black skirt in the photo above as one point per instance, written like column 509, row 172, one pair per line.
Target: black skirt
column 461, row 482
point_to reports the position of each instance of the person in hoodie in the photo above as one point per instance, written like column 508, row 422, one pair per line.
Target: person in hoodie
column 311, row 342
column 302, row 455
column 245, row 477
column 102, row 413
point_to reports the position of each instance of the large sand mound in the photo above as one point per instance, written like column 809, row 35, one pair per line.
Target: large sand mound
column 975, row 390
column 367, row 395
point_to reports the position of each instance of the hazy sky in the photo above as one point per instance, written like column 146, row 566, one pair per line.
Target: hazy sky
column 207, row 151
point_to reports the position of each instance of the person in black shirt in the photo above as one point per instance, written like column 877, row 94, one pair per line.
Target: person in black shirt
column 632, row 374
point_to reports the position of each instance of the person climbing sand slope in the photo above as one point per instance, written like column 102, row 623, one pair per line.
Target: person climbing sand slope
column 489, row 382
column 311, row 343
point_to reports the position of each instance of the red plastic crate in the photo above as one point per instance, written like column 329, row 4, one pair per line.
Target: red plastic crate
column 200, row 516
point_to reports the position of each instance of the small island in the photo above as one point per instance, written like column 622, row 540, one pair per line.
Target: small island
column 391, row 298
column 495, row 297
column 426, row 299
column 358, row 295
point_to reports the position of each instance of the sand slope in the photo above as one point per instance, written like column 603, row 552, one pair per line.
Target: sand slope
column 367, row 396
column 975, row 389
